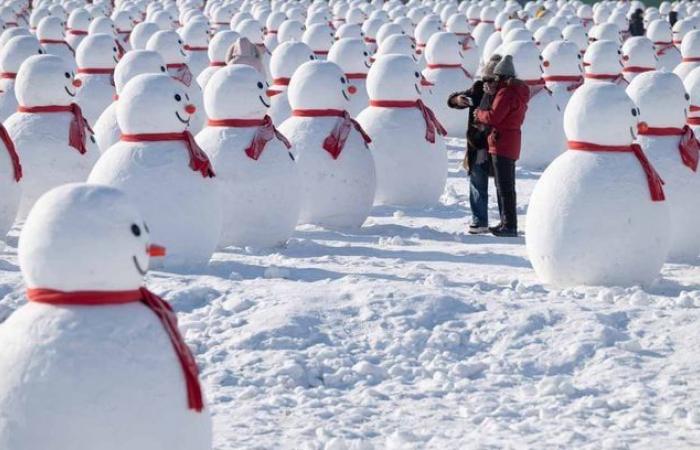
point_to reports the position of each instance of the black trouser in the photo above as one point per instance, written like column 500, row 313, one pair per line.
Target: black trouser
column 504, row 176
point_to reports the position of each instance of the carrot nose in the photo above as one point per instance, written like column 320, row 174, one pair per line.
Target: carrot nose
column 271, row 93
column 352, row 90
column 545, row 63
column 191, row 109
column 155, row 251
column 424, row 82
column 77, row 83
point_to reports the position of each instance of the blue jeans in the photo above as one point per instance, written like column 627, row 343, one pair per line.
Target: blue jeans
column 479, row 193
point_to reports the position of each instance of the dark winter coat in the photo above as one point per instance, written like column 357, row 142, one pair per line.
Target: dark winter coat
column 637, row 25
column 506, row 117
column 477, row 144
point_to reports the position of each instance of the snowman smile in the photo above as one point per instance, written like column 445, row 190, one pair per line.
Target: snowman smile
column 263, row 101
column 138, row 266
column 417, row 89
column 72, row 94
column 182, row 52
column 345, row 95
column 367, row 65
column 187, row 122
column 115, row 59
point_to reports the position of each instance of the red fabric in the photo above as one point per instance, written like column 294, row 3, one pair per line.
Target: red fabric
column 689, row 147
column 694, row 108
column 157, row 305
column 370, row 40
column 8, row 75
column 199, row 162
column 194, row 48
column 356, row 76
column 693, row 120
column 663, row 47
column 57, row 41
column 575, row 80
column 182, row 73
column 78, row 32
column 617, row 79
column 506, row 117
column 335, row 142
column 654, row 181
column 77, row 132
column 450, row 66
column 12, row 152
column 217, row 64
column 432, row 124
column 321, row 52
column 281, row 81
column 120, row 49
column 690, row 59
column 96, row 71
column 637, row 69
column 536, row 86
column 264, row 134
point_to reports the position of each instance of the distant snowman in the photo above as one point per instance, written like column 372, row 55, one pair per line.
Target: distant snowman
column 407, row 145
column 319, row 37
column 563, row 70
column 272, row 23
column 114, row 364
column 352, row 56
column 335, row 163
column 597, row 215
column 690, row 50
column 50, row 33
column 53, row 139
column 602, row 63
column 673, row 150
column 77, row 26
column 158, row 163
column 170, row 46
column 260, row 182
column 445, row 71
column 692, row 87
column 195, row 35
column 12, row 55
column 96, row 57
column 285, row 60
column 638, row 56
column 218, row 47
column 135, row 62
column 660, row 33
column 141, row 33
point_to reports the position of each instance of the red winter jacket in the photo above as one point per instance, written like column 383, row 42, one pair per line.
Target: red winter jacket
column 506, row 116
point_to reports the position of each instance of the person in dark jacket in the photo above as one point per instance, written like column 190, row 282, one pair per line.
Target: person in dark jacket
column 477, row 160
column 637, row 23
column 505, row 117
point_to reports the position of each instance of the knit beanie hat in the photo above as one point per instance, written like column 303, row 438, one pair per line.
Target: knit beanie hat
column 505, row 67
column 488, row 70
column 245, row 52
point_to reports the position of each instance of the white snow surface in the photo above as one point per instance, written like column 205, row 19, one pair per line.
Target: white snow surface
column 410, row 333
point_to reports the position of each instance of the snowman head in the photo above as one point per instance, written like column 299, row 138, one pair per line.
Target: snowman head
column 290, row 30
column 36, row 16
column 399, row 44
column 53, row 74
column 274, row 20
column 287, row 57
column 141, row 33
column 371, row 26
column 319, row 37
column 639, row 51
column 386, row 30
column 518, row 34
column 351, row 55
column 606, row 32
column 170, row 46
column 238, row 18
column 394, row 77
column 154, row 103
column 102, row 25
column 662, row 99
column 162, row 19
column 577, row 34
column 526, row 59
column 137, row 62
column 443, row 48
column 428, row 26
column 252, row 30
column 562, row 58
column 250, row 88
column 601, row 113
column 97, row 51
column 690, row 48
column 546, row 34
column 318, row 85
column 79, row 19
column 603, row 58
column 659, row 30
column 692, row 85
column 16, row 51
column 83, row 237
column 50, row 27
column 13, row 32
column 122, row 21
column 220, row 43
column 195, row 33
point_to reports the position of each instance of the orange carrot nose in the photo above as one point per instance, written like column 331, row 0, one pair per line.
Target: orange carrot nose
column 352, row 89
column 545, row 63
column 642, row 127
column 77, row 83
column 191, row 109
column 271, row 92
column 424, row 82
column 155, row 251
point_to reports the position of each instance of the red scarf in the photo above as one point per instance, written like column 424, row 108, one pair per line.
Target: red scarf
column 450, row 66
column 575, row 80
column 653, row 179
column 689, row 147
column 57, row 41
column 8, row 75
column 537, row 86
column 281, row 81
column 194, row 48
column 335, row 142
column 356, row 76
column 157, row 305
column 663, row 47
column 199, row 162
column 14, row 157
column 432, row 125
column 689, row 59
column 217, row 64
column 182, row 73
column 616, row 79
column 98, row 71
column 637, row 69
column 264, row 134
column 78, row 32
column 77, row 132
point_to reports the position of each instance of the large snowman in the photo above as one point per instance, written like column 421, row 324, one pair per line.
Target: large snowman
column 96, row 57
column 335, row 163
column 261, row 187
column 407, row 144
column 160, row 166
column 597, row 216
column 91, row 360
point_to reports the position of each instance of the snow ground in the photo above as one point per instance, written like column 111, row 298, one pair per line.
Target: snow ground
column 410, row 333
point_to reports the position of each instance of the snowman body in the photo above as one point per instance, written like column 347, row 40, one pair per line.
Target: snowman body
column 106, row 129
column 95, row 95
column 11, row 192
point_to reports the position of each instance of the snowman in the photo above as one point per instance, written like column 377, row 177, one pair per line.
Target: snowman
column 141, row 33
column 319, row 37
column 290, row 30
column 10, row 182
column 542, row 135
column 218, row 47
column 77, row 26
column 597, row 215
column 285, row 60
column 445, row 71
column 576, row 33
column 408, row 150
column 195, row 35
column 274, row 20
column 335, row 163
column 483, row 30
column 113, row 362
column 158, row 163
column 123, row 25
column 673, row 150
column 51, row 37
column 563, row 70
column 692, row 87
column 690, row 50
column 12, row 55
column 638, row 56
column 171, row 48
column 260, row 182
column 96, row 56
column 397, row 44
column 52, row 138
column 135, row 62
column 353, row 57
column 659, row 32
column 602, row 63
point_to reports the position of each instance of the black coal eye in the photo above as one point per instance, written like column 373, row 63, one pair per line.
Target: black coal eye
column 579, row 56
column 541, row 58
column 311, row 57
column 260, row 85
column 40, row 52
column 67, row 75
column 416, row 74
column 135, row 230
column 145, row 227
column 687, row 97
column 178, row 97
column 342, row 80
column 179, row 41
column 365, row 53
column 162, row 68
column 634, row 112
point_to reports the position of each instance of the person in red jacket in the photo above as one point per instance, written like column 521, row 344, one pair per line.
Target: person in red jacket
column 505, row 117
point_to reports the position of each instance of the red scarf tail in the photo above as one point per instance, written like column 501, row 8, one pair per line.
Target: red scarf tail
column 77, row 135
column 199, row 161
column 14, row 157
column 264, row 134
column 335, row 142
column 183, row 75
column 689, row 148
column 168, row 319
column 432, row 125
column 653, row 178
